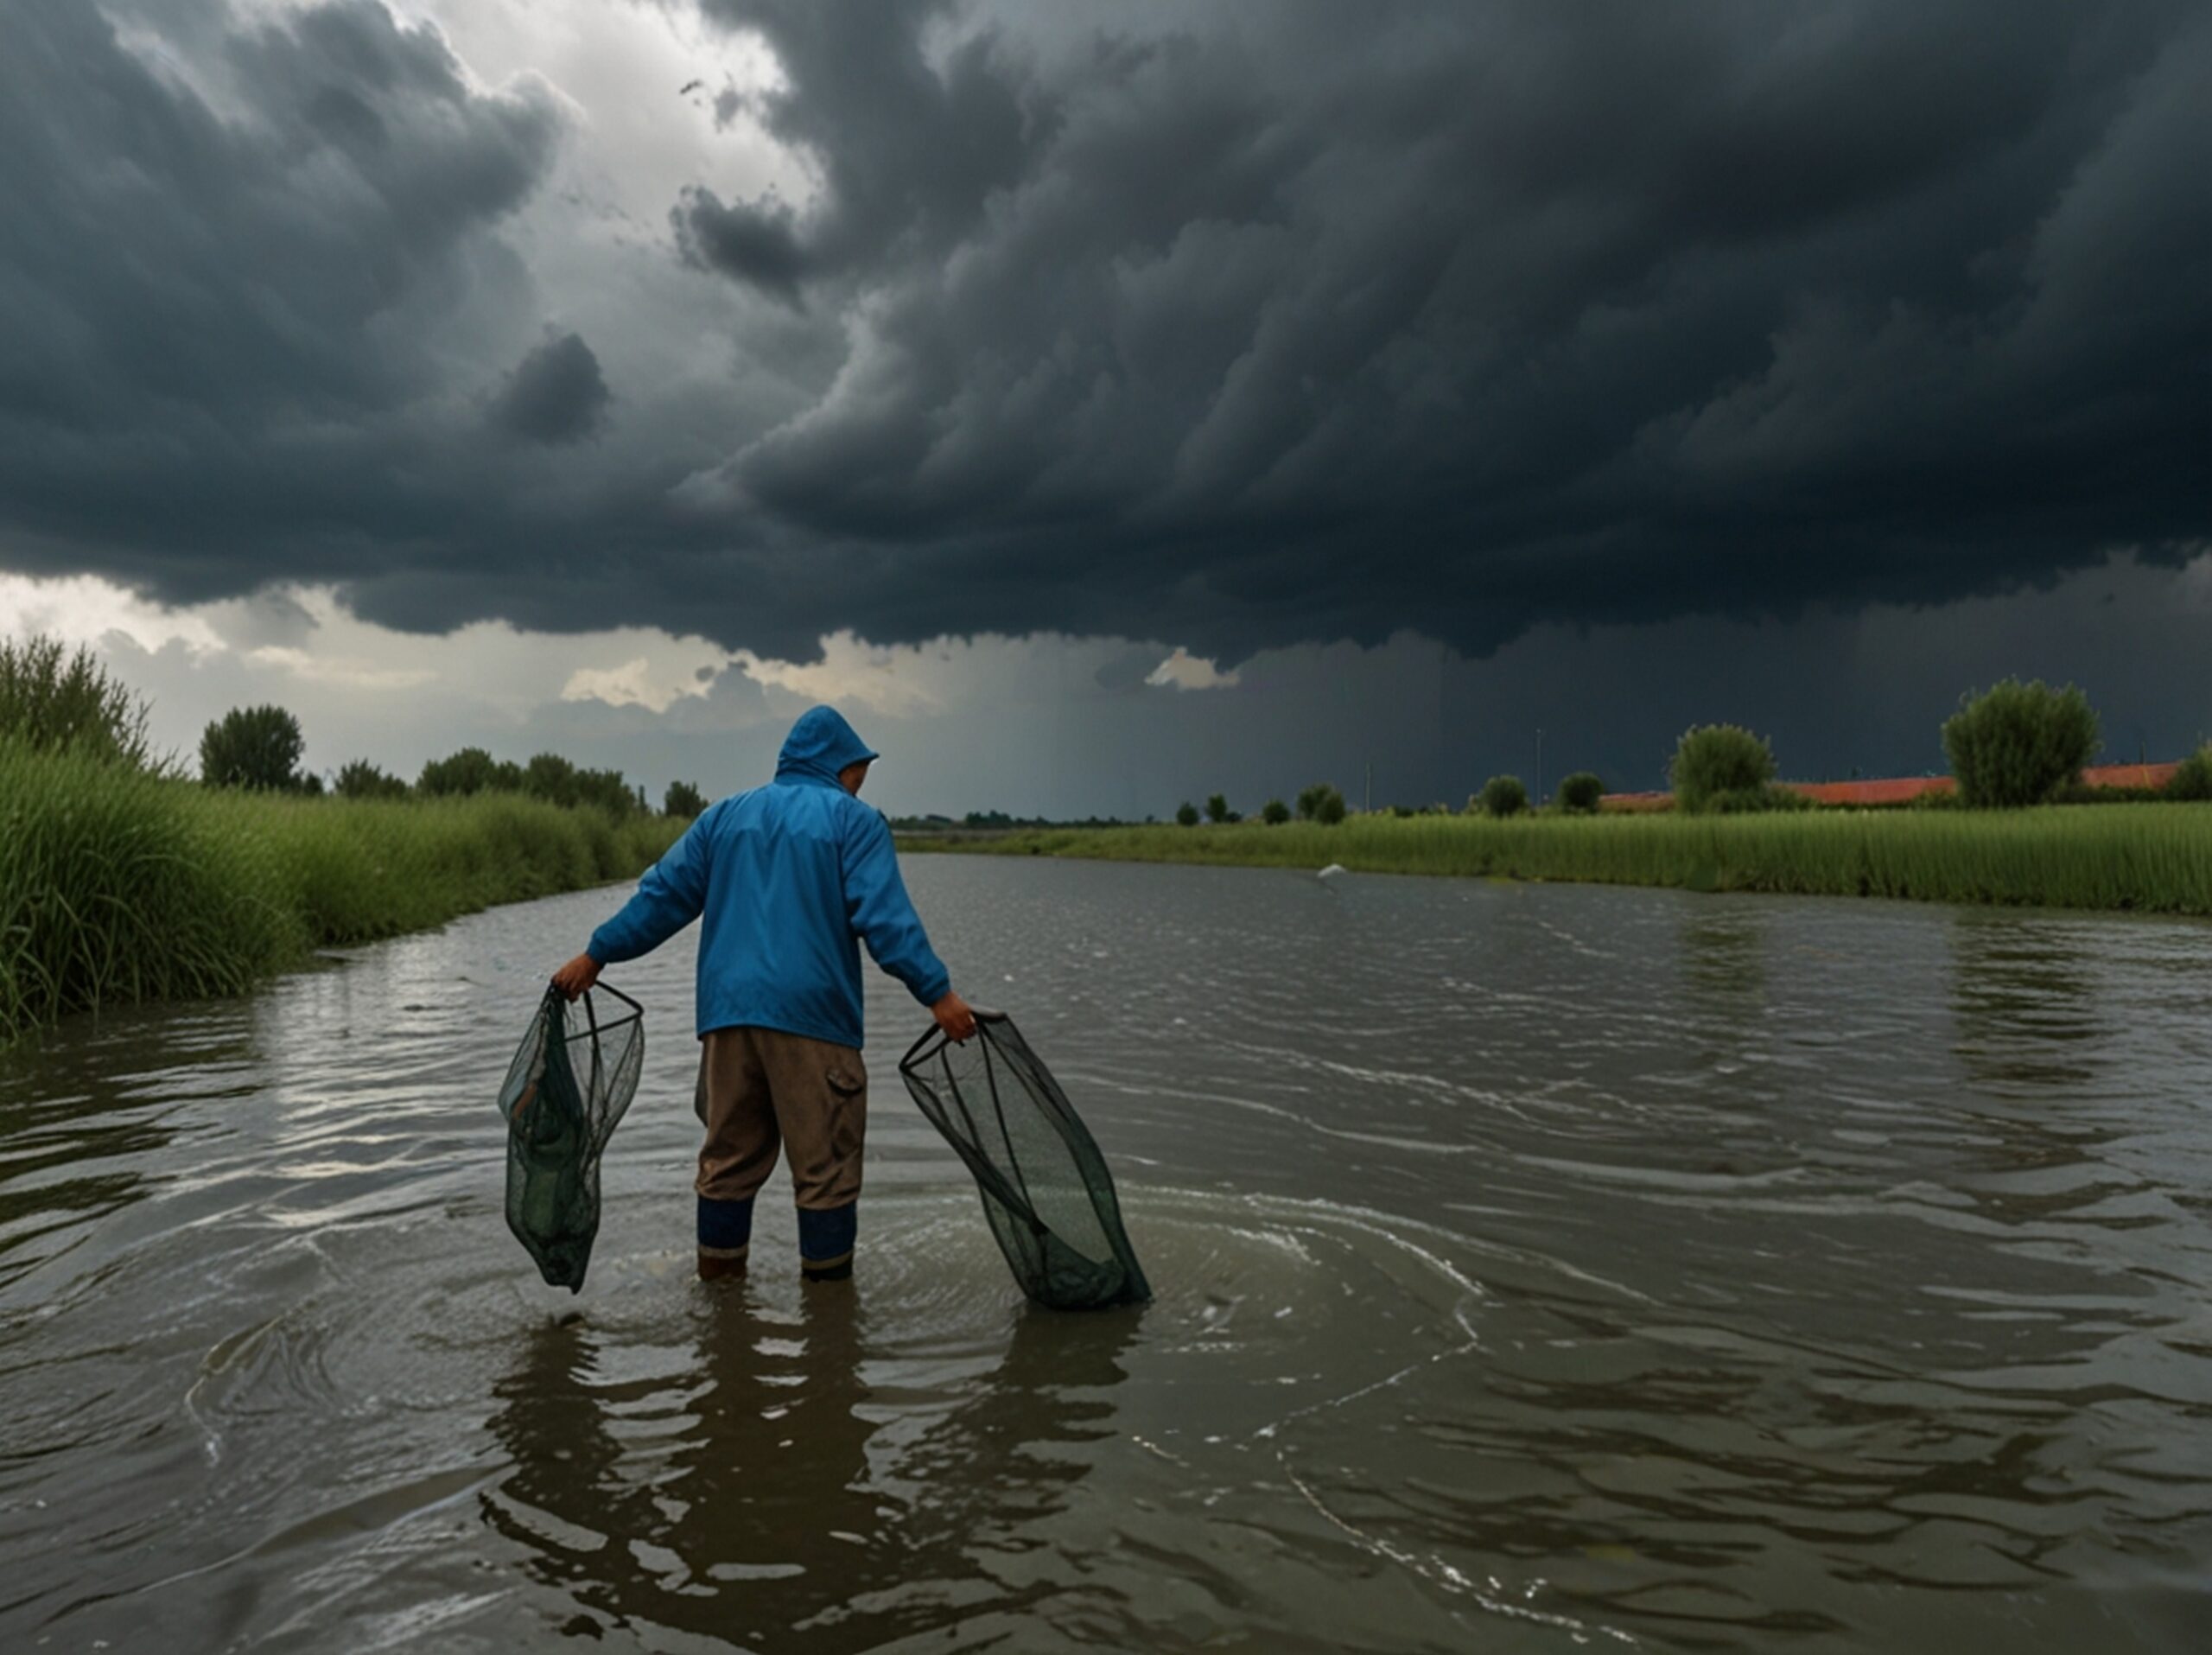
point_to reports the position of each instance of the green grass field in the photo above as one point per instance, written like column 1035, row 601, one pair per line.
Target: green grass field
column 2154, row 858
column 116, row 886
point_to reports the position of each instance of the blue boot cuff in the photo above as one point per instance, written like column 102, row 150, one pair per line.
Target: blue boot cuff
column 826, row 1236
column 725, row 1225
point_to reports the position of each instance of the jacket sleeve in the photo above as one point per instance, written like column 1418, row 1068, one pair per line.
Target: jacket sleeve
column 883, row 915
column 668, row 897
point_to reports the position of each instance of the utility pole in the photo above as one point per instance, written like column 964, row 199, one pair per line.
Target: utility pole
column 1540, row 766
column 1367, row 799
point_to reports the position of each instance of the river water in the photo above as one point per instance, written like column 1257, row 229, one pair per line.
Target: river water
column 1538, row 1268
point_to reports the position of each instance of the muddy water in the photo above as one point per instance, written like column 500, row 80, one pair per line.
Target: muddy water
column 1537, row 1267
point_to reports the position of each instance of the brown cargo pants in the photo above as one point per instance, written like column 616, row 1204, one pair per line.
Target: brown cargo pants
column 762, row 1090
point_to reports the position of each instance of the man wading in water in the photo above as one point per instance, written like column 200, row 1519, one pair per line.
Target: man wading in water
column 790, row 877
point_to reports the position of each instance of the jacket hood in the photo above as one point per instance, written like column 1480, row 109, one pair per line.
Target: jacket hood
column 820, row 745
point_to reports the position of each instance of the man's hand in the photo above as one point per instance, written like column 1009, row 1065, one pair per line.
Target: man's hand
column 580, row 974
column 954, row 1018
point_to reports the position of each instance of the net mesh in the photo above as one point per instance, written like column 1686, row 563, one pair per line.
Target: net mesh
column 565, row 1092
column 1046, row 1192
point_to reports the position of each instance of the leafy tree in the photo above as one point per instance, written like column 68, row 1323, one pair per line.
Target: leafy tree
column 1579, row 793
column 1504, row 796
column 683, row 799
column 1314, row 803
column 1187, row 813
column 2019, row 743
column 1715, row 759
column 51, row 702
column 2192, row 778
column 1275, row 812
column 252, row 747
column 607, row 791
column 472, row 770
column 361, row 779
column 1217, row 808
column 551, row 777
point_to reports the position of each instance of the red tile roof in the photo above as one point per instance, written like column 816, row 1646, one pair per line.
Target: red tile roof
column 1895, row 790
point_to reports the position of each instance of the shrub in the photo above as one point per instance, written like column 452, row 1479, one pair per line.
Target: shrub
column 1739, row 801
column 683, row 799
column 252, row 747
column 1310, row 800
column 361, row 779
column 2019, row 743
column 2192, row 778
column 551, row 777
column 607, row 791
column 1187, row 813
column 1580, row 793
column 52, row 704
column 1217, row 808
column 472, row 770
column 1504, row 796
column 1715, row 759
column 1275, row 812
column 1329, row 808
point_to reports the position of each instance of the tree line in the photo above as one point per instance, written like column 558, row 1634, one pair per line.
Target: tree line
column 52, row 699
column 2010, row 746
column 260, row 748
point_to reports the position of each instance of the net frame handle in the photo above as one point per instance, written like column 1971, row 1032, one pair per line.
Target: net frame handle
column 637, row 1013
column 608, row 988
column 933, row 1032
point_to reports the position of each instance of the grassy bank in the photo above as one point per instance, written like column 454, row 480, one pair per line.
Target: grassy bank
column 116, row 886
column 2149, row 857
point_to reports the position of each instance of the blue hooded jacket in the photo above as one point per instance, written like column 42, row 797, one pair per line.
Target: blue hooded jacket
column 791, row 878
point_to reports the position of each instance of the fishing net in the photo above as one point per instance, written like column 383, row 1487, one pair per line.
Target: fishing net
column 565, row 1092
column 1045, row 1188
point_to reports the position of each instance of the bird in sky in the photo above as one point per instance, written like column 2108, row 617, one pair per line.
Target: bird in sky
column 688, row 87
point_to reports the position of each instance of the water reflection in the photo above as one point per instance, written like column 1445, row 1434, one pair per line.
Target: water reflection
column 2023, row 998
column 87, row 1112
column 1723, row 955
column 1722, row 946
column 777, row 1484
column 1724, row 1272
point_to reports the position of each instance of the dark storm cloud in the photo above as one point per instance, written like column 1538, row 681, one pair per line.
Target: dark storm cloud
column 1234, row 323
column 910, row 146
column 165, row 263
column 229, row 304
column 557, row 394
column 1328, row 320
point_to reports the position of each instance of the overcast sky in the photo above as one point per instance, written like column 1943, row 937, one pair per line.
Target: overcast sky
column 1106, row 404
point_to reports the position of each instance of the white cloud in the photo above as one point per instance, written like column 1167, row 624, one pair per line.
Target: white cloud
column 641, row 681
column 895, row 679
column 351, row 671
column 85, row 609
column 1188, row 671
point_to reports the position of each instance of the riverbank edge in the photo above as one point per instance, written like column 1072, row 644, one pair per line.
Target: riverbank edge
column 117, row 887
column 2152, row 858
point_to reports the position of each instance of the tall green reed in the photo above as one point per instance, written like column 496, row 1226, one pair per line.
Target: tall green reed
column 118, row 885
column 2149, row 857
